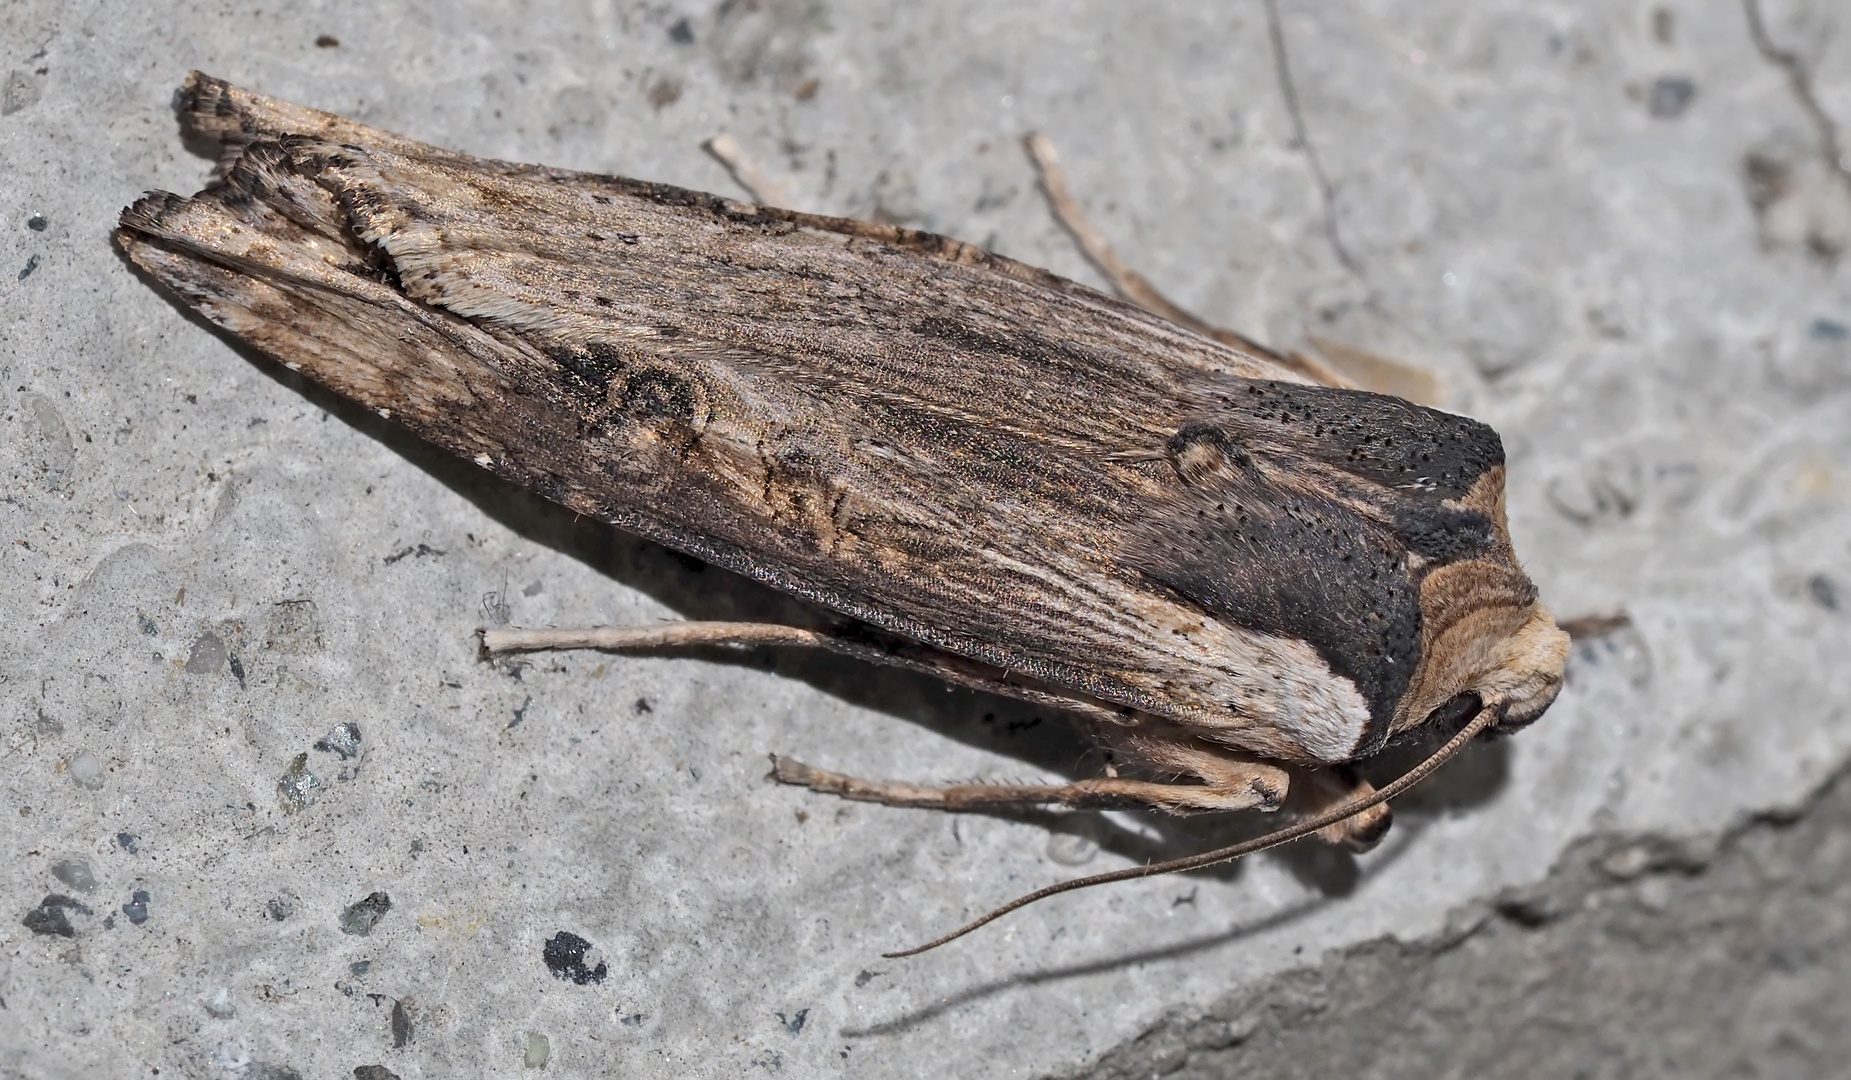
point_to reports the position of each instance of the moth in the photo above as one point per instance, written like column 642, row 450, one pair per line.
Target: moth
column 1241, row 574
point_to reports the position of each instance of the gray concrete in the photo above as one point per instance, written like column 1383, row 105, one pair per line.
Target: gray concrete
column 1617, row 237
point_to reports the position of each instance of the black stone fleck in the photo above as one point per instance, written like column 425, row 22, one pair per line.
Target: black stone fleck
column 344, row 741
column 127, row 841
column 364, row 914
column 794, row 1024
column 681, row 33
column 1670, row 96
column 373, row 1072
column 401, row 1024
column 137, row 907
column 565, row 958
column 36, row 223
column 49, row 917
column 32, row 264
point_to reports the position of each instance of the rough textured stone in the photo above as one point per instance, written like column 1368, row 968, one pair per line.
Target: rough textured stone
column 1615, row 231
column 1729, row 966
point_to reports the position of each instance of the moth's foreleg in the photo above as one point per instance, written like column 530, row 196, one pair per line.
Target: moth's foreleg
column 1317, row 790
column 1260, row 788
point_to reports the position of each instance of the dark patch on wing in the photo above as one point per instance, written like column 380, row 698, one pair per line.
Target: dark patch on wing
column 1270, row 559
column 1020, row 345
column 1249, row 539
column 659, row 394
column 592, row 367
column 1391, row 442
column 1443, row 534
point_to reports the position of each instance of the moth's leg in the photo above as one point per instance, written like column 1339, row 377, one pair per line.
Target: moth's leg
column 745, row 172
column 868, row 644
column 1130, row 284
column 1317, row 790
column 1259, row 787
column 1361, row 368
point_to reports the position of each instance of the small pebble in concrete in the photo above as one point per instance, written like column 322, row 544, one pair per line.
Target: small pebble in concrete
column 87, row 771
column 263, row 1070
column 539, row 1049
column 49, row 917
column 219, row 1006
column 360, row 967
column 565, row 954
column 1670, row 96
column 75, row 873
column 364, row 914
column 794, row 1023
column 280, row 908
column 296, row 790
column 373, row 1072
column 207, row 656
column 127, row 841
column 36, row 223
column 401, row 1024
column 137, row 907
column 344, row 741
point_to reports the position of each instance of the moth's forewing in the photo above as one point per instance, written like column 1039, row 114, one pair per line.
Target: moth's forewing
column 934, row 440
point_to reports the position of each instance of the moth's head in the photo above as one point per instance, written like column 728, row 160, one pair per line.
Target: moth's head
column 1484, row 633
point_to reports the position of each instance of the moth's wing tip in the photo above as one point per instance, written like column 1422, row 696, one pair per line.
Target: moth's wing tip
column 208, row 106
column 147, row 214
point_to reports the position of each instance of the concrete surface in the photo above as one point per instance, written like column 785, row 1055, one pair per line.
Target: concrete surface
column 1614, row 229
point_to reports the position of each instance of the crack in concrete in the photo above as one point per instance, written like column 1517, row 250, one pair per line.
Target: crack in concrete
column 1326, row 190
column 1799, row 79
column 1638, row 955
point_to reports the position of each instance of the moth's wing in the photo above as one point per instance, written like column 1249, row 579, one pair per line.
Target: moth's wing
column 931, row 439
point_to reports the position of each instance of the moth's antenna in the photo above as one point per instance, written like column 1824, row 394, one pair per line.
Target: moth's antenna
column 1487, row 715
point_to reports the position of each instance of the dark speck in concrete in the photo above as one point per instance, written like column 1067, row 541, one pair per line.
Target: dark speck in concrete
column 401, row 1024
column 344, row 740
column 263, row 1070
column 364, row 914
column 681, row 33
column 207, row 656
column 642, row 706
column 373, row 1072
column 297, row 786
column 1670, row 96
column 49, row 917
column 794, row 1023
column 127, row 841
column 360, row 967
column 327, row 41
column 867, row 977
column 147, row 624
column 237, row 667
column 1823, row 591
column 32, row 264
column 565, row 957
column 36, row 223
column 279, row 908
column 1828, row 330
column 632, row 1020
column 137, row 907
column 75, row 873
column 420, row 551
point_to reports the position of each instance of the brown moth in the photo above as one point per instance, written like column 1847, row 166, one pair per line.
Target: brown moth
column 1241, row 573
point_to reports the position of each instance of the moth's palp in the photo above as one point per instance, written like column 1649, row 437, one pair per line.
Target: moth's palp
column 1487, row 716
